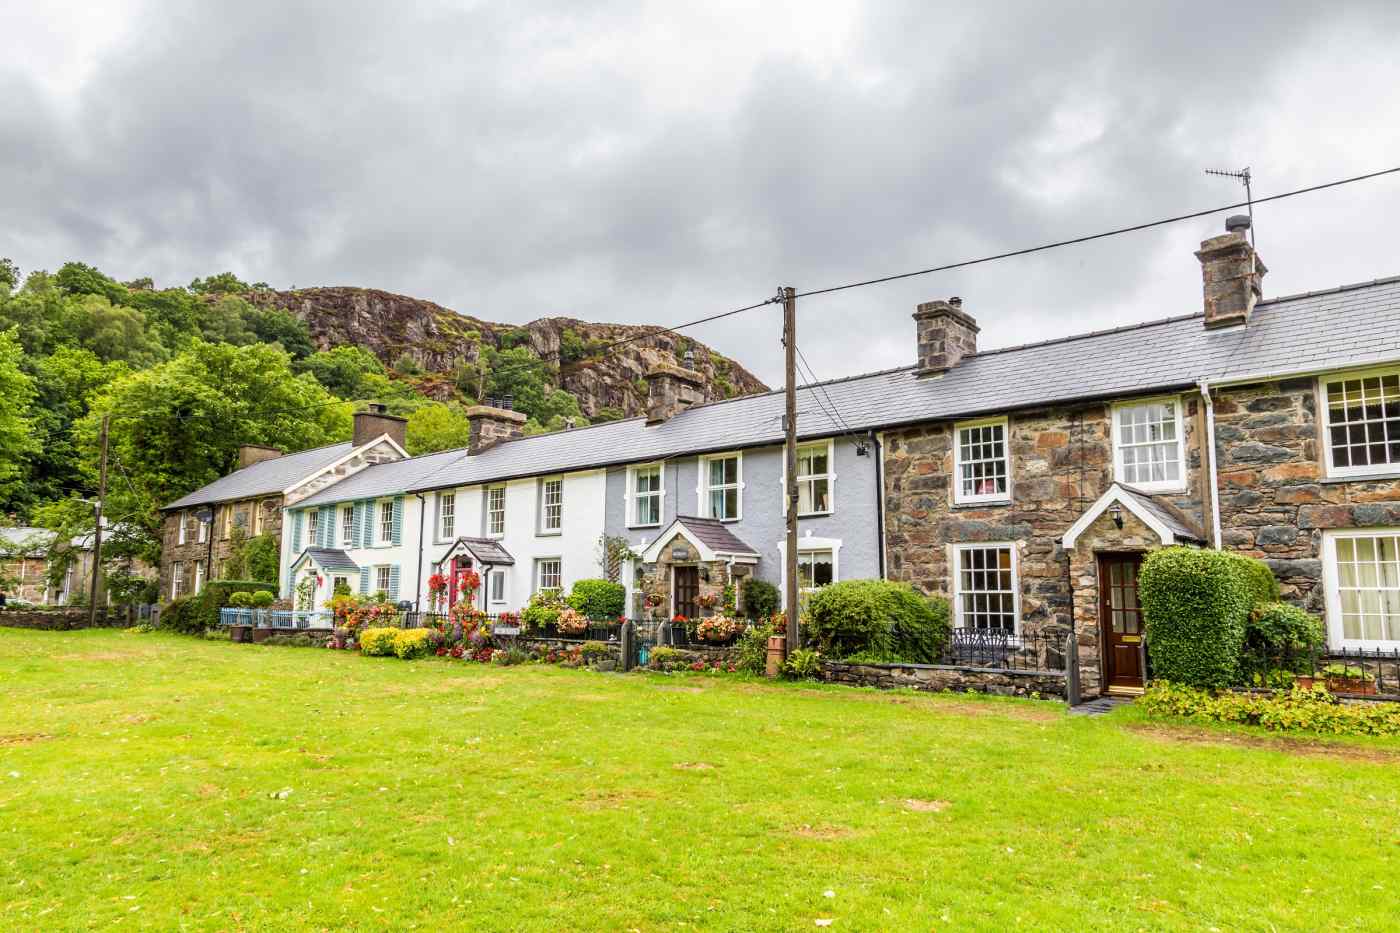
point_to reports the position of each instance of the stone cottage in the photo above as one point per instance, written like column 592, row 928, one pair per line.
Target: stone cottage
column 201, row 529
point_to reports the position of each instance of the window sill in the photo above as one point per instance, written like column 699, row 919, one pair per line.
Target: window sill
column 1175, row 489
column 826, row 514
column 1360, row 477
column 981, row 504
column 548, row 534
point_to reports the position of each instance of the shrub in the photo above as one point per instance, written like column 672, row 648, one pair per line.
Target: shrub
column 240, row 600
column 879, row 618
column 412, row 643
column 752, row 649
column 666, row 659
column 1258, row 579
column 180, row 615
column 378, row 642
column 803, row 664
column 761, row 599
column 596, row 651
column 510, row 657
column 1300, row 709
column 598, row 599
column 204, row 608
column 543, row 610
column 1195, row 604
column 1275, row 629
column 261, row 599
column 571, row 622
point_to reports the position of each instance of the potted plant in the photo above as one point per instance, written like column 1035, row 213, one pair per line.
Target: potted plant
column 1348, row 678
column 707, row 600
column 571, row 622
column 719, row 630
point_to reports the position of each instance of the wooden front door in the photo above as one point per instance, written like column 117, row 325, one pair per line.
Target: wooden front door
column 687, row 590
column 1121, row 618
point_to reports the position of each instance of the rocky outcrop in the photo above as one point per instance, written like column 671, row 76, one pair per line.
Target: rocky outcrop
column 442, row 342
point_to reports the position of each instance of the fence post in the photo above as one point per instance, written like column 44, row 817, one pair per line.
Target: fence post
column 628, row 637
column 1072, row 696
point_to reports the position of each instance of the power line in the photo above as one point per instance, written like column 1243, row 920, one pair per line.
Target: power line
column 816, row 386
column 1097, row 236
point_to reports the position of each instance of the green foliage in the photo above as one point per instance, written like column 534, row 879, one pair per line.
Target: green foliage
column 573, row 347
column 200, row 611
column 803, row 664
column 598, row 599
column 543, row 610
column 664, row 659
column 240, row 600
column 437, row 426
column 607, row 413
column 752, row 649
column 594, row 651
column 224, row 282
column 261, row 599
column 1298, row 710
column 1277, row 628
column 182, row 616
column 125, row 588
column 16, row 438
column 413, row 643
column 379, row 642
column 262, row 558
column 9, row 276
column 761, row 599
column 116, row 333
column 1259, row 580
column 1195, row 604
column 878, row 617
column 344, row 370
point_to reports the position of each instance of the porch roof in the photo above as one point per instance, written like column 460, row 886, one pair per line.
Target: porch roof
column 326, row 558
column 1155, row 511
column 710, row 536
column 487, row 551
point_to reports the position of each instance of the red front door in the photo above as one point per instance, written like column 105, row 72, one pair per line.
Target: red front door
column 459, row 566
column 1121, row 619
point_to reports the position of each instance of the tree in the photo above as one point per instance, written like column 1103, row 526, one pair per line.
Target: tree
column 9, row 275
column 273, row 325
column 77, row 278
column 114, row 332
column 436, row 426
column 16, row 429
column 343, row 370
column 224, row 321
column 223, row 283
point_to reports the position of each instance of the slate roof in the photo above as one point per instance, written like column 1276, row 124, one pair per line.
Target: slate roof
column 713, row 533
column 1347, row 326
column 1166, row 513
column 34, row 540
column 485, row 550
column 382, row 479
column 260, row 479
column 327, row 558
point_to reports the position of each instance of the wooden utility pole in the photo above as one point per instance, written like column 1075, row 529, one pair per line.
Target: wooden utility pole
column 790, row 459
column 97, row 525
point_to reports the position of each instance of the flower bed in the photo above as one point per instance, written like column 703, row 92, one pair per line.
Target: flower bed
column 1309, row 709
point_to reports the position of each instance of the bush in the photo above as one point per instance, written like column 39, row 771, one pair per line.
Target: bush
column 204, row 608
column 599, row 599
column 1259, row 580
column 878, row 618
column 261, row 599
column 182, row 616
column 752, row 649
column 761, row 599
column 803, row 664
column 412, row 643
column 378, row 642
column 543, row 610
column 1195, row 604
column 1277, row 629
column 596, row 651
column 1300, row 709
column 241, row 600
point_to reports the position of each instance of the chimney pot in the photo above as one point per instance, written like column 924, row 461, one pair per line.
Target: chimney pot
column 946, row 333
column 508, row 403
column 1238, row 223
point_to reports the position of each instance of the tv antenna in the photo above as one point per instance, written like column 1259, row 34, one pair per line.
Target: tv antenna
column 1243, row 177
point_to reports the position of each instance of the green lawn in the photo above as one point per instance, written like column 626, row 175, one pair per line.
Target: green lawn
column 142, row 782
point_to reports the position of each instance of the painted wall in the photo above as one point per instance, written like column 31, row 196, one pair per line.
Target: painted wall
column 762, row 525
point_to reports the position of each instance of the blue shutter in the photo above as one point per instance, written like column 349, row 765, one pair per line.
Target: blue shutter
column 298, row 521
column 356, row 522
column 394, row 583
column 364, row 581
column 368, row 530
column 398, row 521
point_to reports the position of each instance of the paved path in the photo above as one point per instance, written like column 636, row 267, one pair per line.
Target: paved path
column 1099, row 706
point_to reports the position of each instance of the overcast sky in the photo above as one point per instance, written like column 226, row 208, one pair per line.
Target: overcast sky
column 653, row 162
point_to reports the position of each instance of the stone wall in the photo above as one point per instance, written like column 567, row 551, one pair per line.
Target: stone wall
column 31, row 578
column 938, row 678
column 62, row 620
column 1275, row 497
column 267, row 521
column 1102, row 536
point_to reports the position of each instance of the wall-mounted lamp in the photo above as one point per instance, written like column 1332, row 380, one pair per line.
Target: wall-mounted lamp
column 1115, row 512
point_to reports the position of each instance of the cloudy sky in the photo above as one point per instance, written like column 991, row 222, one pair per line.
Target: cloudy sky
column 654, row 162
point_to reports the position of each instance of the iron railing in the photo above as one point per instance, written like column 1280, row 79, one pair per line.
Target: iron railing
column 1031, row 649
column 1347, row 671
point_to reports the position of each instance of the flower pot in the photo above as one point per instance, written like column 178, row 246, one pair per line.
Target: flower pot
column 777, row 651
column 240, row 633
column 1353, row 685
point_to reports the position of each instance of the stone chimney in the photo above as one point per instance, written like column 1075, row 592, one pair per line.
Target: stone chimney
column 489, row 425
column 1232, row 273
column 375, row 421
column 946, row 334
column 249, row 454
column 671, row 390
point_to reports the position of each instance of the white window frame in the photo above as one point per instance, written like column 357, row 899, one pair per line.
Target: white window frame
column 312, row 517
column 829, row 476
column 384, row 522
column 492, row 513
column 202, row 529
column 498, row 578
column 965, row 498
column 634, row 498
column 1391, row 468
column 198, row 577
column 447, row 516
column 540, row 562
column 805, row 545
column 703, row 487
column 383, row 578
column 957, row 589
column 184, row 520
column 177, row 579
column 1331, row 586
column 544, row 527
column 1176, row 485
column 347, row 528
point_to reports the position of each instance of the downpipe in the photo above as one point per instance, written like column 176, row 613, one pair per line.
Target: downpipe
column 1204, row 386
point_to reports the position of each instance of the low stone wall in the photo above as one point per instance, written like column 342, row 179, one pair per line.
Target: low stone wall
column 937, row 677
column 62, row 620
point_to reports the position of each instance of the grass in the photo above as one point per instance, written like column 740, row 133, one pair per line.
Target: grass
column 161, row 782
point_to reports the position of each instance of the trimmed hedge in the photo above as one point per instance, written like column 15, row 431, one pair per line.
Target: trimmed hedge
column 761, row 599
column 598, row 599
column 182, row 616
column 1258, row 579
column 196, row 614
column 879, row 618
column 1195, row 604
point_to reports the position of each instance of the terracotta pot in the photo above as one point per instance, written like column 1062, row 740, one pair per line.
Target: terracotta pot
column 777, row 652
column 1351, row 685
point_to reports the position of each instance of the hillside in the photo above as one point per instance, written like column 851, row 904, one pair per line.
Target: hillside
column 448, row 347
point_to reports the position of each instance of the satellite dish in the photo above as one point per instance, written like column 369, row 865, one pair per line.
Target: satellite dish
column 204, row 514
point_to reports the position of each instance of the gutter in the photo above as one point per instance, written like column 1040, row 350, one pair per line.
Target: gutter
column 1204, row 387
column 418, row 579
